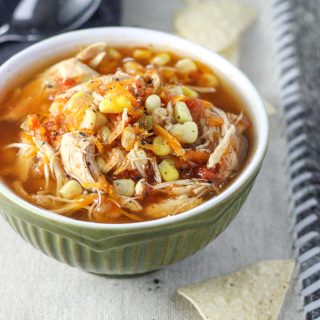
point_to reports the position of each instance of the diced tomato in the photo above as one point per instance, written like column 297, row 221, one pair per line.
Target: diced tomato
column 69, row 82
column 207, row 174
column 65, row 84
column 53, row 128
column 33, row 122
column 34, row 127
column 196, row 108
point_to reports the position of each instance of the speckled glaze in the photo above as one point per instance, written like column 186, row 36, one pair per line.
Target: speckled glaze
column 130, row 249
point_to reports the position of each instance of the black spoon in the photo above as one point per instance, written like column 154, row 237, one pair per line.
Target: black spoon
column 33, row 20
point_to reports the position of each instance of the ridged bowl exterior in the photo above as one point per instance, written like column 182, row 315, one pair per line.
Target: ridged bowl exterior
column 144, row 247
column 123, row 252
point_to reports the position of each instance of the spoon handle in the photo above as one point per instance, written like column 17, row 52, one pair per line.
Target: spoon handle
column 12, row 37
column 8, row 35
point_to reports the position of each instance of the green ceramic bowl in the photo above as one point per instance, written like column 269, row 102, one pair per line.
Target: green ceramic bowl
column 129, row 249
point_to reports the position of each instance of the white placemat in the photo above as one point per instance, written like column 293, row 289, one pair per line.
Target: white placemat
column 33, row 286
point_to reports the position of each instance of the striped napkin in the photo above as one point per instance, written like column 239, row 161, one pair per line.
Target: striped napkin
column 298, row 51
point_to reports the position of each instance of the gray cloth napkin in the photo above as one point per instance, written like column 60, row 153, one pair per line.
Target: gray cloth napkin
column 298, row 36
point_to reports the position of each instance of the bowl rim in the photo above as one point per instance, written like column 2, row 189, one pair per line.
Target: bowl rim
column 245, row 86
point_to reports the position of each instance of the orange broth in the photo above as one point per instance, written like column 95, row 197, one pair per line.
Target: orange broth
column 10, row 130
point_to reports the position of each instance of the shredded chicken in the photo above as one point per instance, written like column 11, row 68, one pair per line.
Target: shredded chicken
column 68, row 69
column 138, row 160
column 25, row 160
column 116, row 161
column 47, row 82
column 129, row 203
column 49, row 155
column 118, row 135
column 92, row 51
column 221, row 149
column 171, row 206
column 120, row 125
column 190, row 187
column 86, row 86
column 77, row 154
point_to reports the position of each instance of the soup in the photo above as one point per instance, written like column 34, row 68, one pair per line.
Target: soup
column 121, row 135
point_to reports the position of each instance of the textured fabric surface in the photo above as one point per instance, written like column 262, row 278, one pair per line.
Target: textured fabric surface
column 33, row 286
column 298, row 52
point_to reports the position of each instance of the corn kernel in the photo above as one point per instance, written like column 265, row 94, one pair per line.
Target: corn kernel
column 128, row 138
column 71, row 190
column 142, row 54
column 113, row 53
column 160, row 147
column 124, row 187
column 56, row 108
column 78, row 101
column 186, row 65
column 104, row 134
column 101, row 120
column 101, row 165
column 185, row 132
column 152, row 102
column 140, row 187
column 114, row 104
column 131, row 67
column 94, row 62
column 142, row 156
column 168, row 171
column 188, row 92
column 169, row 72
column 209, row 80
column 181, row 112
column 161, row 59
column 89, row 119
column 175, row 91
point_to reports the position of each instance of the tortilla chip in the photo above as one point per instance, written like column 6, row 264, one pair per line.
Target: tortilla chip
column 255, row 293
column 215, row 24
column 232, row 53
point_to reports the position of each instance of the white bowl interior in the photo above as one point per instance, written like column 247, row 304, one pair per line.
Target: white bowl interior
column 38, row 56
